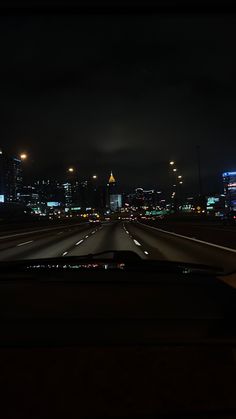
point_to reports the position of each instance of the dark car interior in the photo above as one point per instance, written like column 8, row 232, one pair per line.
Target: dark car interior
column 97, row 337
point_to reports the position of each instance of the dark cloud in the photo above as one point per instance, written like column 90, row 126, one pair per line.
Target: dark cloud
column 120, row 92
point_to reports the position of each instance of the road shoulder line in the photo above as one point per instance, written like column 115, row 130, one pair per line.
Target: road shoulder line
column 228, row 249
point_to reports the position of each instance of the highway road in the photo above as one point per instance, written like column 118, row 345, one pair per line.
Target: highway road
column 80, row 239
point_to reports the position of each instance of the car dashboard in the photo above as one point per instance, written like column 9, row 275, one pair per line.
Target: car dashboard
column 104, row 342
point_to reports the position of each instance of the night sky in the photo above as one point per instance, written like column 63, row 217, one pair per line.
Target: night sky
column 126, row 93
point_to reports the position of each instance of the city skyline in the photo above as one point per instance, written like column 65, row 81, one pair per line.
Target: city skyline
column 103, row 177
column 95, row 192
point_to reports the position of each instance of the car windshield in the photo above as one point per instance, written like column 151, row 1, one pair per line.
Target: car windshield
column 118, row 133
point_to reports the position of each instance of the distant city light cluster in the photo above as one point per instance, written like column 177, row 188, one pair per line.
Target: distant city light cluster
column 78, row 197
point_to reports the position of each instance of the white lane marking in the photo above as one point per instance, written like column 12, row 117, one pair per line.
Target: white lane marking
column 35, row 231
column 22, row 244
column 93, row 232
column 137, row 243
column 146, row 253
column 80, row 241
column 228, row 249
column 64, row 254
column 86, row 237
column 61, row 232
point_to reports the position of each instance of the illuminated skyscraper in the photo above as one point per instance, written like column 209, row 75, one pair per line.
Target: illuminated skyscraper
column 114, row 200
column 229, row 181
column 10, row 178
column 143, row 197
column 111, row 182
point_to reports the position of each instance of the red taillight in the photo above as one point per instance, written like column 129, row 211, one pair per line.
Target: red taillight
column 234, row 216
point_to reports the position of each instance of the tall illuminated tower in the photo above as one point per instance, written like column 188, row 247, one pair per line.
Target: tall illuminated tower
column 114, row 200
column 111, row 183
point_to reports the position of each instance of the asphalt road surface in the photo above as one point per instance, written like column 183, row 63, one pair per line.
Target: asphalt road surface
column 218, row 233
column 149, row 242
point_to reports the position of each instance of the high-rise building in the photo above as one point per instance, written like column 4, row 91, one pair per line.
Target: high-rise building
column 10, row 178
column 68, row 193
column 113, row 199
column 115, row 202
column 71, row 187
column 49, row 191
column 229, row 181
column 29, row 196
column 148, row 198
column 90, row 194
column 112, row 180
column 85, row 194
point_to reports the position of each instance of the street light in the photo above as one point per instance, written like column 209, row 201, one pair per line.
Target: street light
column 179, row 177
column 71, row 169
column 172, row 162
column 23, row 156
column 180, row 182
column 94, row 176
column 174, row 170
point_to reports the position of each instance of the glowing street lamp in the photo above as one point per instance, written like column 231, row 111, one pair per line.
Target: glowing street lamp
column 174, row 170
column 181, row 182
column 179, row 177
column 94, row 176
column 23, row 156
column 71, row 169
column 172, row 163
